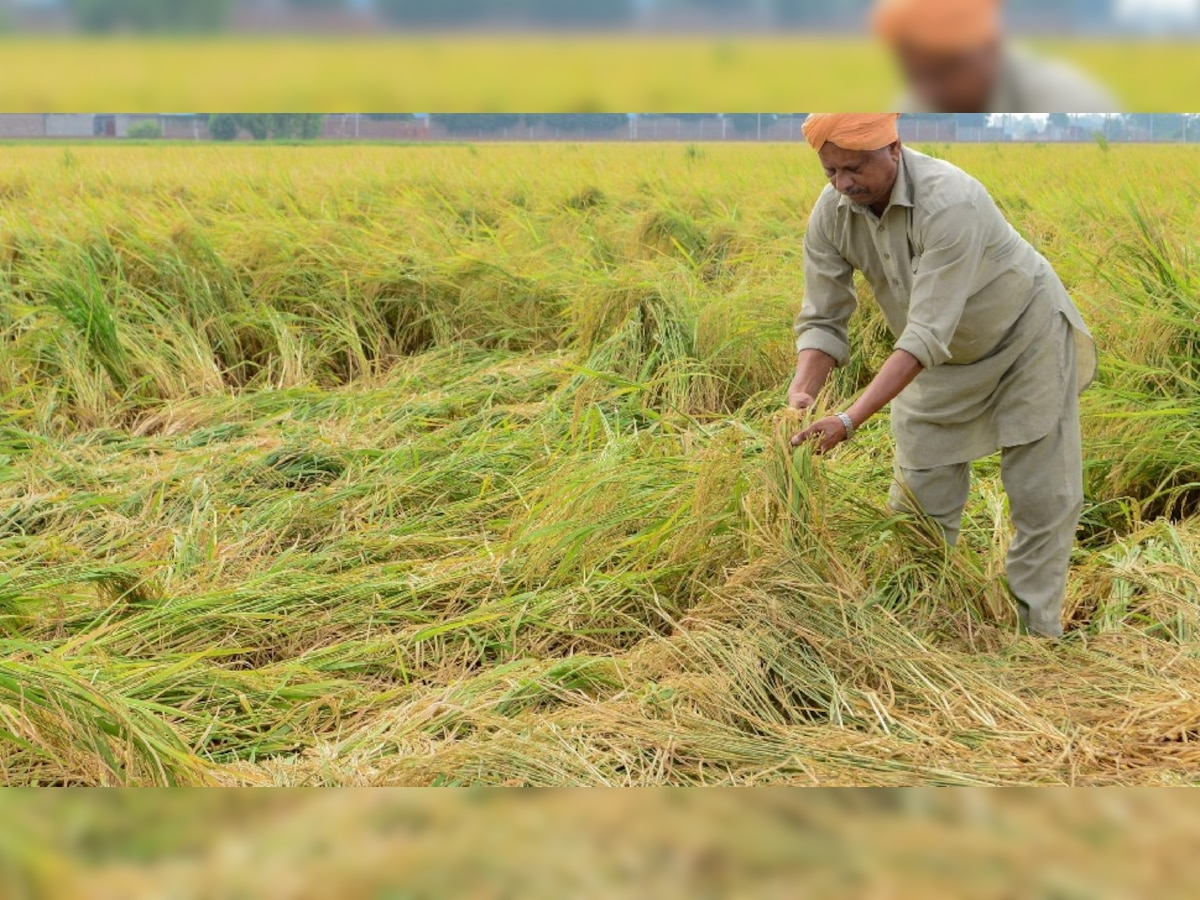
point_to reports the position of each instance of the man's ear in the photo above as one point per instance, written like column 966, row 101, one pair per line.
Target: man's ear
column 895, row 149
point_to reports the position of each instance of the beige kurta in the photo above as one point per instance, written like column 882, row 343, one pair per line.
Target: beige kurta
column 1032, row 84
column 964, row 294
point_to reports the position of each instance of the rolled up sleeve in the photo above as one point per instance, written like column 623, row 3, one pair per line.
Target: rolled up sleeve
column 943, row 282
column 829, row 298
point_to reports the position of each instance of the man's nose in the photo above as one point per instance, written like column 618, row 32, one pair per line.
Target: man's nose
column 842, row 183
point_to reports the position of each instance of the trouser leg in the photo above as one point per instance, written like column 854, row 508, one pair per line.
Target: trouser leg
column 939, row 493
column 1044, row 483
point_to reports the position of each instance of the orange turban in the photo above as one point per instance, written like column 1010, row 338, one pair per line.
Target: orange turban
column 852, row 131
column 937, row 24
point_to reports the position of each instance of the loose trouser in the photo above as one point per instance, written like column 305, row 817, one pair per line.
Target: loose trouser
column 1044, row 483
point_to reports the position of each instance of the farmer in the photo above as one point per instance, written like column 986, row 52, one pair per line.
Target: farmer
column 990, row 352
column 954, row 58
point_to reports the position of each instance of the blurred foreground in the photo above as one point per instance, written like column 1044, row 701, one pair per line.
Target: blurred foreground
column 388, row 845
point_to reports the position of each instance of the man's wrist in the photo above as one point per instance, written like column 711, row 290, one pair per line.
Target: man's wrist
column 848, row 424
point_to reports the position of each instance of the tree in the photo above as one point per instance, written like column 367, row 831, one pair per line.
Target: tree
column 443, row 12
column 311, row 126
column 569, row 12
column 471, row 12
column 467, row 123
column 1154, row 126
column 1059, row 120
column 222, row 127
column 748, row 123
column 319, row 5
column 149, row 15
column 594, row 122
column 289, row 126
column 144, row 130
column 811, row 12
column 1191, row 128
column 260, row 126
column 722, row 6
column 682, row 117
column 257, row 124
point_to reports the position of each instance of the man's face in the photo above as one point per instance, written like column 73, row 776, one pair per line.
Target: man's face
column 955, row 81
column 865, row 176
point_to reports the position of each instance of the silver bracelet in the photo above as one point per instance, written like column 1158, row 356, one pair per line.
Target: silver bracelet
column 848, row 423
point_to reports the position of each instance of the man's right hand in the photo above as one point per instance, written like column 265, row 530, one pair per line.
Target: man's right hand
column 812, row 371
column 800, row 399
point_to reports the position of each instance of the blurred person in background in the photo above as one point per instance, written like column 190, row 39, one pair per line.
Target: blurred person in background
column 990, row 352
column 955, row 59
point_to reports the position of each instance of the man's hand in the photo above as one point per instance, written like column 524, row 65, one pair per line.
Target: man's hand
column 825, row 433
column 799, row 398
column 897, row 373
column 812, row 370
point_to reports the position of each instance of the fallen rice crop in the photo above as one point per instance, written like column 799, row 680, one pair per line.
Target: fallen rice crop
column 467, row 465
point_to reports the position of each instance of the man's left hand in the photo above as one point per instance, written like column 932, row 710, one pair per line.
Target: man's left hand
column 825, row 433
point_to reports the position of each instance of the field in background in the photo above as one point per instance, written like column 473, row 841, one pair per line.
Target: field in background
column 521, row 73
column 461, row 465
